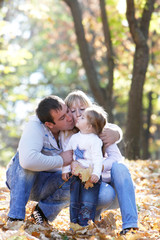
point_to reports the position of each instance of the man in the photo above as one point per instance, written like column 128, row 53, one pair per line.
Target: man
column 35, row 171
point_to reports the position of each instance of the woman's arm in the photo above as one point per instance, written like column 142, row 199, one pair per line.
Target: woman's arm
column 113, row 154
column 111, row 134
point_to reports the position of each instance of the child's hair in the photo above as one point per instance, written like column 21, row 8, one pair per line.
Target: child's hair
column 97, row 117
column 78, row 95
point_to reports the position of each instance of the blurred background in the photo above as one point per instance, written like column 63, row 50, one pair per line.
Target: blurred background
column 108, row 49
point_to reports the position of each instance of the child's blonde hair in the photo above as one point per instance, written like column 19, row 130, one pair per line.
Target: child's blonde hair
column 78, row 95
column 97, row 117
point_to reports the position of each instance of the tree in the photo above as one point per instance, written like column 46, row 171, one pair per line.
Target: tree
column 43, row 58
column 103, row 95
column 139, row 29
column 1, row 3
column 145, row 132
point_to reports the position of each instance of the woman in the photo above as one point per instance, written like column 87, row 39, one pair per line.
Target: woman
column 117, row 179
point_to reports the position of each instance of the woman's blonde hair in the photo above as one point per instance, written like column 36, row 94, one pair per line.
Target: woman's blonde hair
column 78, row 95
column 97, row 117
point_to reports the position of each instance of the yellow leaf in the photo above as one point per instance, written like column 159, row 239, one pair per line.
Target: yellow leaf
column 88, row 184
column 75, row 226
column 35, row 234
column 84, row 172
column 131, row 236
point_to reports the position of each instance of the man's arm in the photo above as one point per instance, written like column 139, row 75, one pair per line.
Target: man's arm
column 30, row 147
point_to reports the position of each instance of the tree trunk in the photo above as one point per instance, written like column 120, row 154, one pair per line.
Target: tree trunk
column 1, row 3
column 102, row 95
column 139, row 32
column 134, row 118
column 110, row 57
column 146, row 132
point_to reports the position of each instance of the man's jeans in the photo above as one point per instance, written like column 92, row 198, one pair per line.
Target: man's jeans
column 44, row 187
column 83, row 201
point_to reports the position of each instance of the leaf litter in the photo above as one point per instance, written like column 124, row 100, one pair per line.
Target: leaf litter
column 146, row 176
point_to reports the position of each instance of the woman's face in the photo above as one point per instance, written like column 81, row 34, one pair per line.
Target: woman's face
column 77, row 108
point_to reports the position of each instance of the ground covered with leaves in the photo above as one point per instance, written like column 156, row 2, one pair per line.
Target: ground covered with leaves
column 146, row 175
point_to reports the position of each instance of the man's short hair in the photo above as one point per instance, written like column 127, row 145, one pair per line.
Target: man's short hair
column 44, row 108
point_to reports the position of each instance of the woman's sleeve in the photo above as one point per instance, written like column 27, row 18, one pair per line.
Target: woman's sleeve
column 113, row 155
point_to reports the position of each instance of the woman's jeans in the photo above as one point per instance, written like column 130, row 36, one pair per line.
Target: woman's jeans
column 83, row 201
column 46, row 189
column 122, row 182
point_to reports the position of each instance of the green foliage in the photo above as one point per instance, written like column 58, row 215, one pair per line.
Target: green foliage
column 5, row 156
column 39, row 56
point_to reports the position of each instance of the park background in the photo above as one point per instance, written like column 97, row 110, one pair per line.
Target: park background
column 53, row 47
column 111, row 51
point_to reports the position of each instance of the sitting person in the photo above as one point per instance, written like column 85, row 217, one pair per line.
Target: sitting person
column 116, row 177
column 87, row 149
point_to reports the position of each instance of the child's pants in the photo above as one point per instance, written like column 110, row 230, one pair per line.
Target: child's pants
column 83, row 201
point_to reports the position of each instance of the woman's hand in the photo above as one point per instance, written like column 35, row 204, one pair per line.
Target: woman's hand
column 109, row 136
column 94, row 178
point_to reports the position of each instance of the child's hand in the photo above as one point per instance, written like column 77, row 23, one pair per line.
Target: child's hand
column 65, row 176
column 94, row 178
column 74, row 164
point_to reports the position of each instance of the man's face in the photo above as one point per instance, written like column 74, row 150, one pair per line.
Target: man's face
column 63, row 119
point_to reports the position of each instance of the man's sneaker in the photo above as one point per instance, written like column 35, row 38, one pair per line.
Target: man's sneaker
column 13, row 223
column 13, row 219
column 126, row 230
column 39, row 216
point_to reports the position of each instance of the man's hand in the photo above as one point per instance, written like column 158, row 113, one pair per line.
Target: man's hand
column 109, row 136
column 65, row 176
column 67, row 157
column 94, row 178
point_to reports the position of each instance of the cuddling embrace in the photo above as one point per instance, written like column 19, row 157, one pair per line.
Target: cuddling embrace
column 35, row 172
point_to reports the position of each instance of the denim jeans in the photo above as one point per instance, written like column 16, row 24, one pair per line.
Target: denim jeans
column 83, row 201
column 122, row 182
column 43, row 187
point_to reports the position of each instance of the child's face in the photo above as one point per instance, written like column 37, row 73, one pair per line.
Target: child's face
column 77, row 109
column 82, row 123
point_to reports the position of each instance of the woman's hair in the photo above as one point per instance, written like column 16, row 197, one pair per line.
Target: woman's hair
column 78, row 95
column 97, row 117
